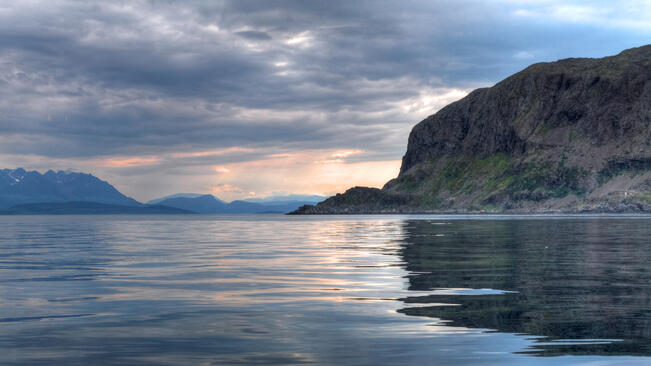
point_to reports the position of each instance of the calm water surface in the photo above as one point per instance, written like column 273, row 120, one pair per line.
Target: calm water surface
column 359, row 290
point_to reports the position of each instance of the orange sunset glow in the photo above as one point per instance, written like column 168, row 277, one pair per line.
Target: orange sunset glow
column 307, row 172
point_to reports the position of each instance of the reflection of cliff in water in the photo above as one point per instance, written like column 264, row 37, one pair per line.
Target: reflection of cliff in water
column 574, row 280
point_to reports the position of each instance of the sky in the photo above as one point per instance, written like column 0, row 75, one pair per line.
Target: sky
column 254, row 98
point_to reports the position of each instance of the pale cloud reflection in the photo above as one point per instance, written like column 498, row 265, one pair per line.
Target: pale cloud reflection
column 322, row 269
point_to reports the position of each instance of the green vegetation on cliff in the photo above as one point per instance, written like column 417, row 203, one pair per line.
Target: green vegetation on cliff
column 566, row 136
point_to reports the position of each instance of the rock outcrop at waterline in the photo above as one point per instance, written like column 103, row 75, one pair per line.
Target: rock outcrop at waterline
column 566, row 136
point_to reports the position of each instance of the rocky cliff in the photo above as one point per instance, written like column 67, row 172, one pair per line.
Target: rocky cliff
column 566, row 136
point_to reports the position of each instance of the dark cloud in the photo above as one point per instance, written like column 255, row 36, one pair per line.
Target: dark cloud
column 82, row 79
column 254, row 35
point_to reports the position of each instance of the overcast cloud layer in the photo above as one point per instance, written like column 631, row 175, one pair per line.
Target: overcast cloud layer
column 250, row 98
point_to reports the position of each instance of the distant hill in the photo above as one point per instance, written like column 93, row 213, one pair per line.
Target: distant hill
column 204, row 204
column 89, row 208
column 208, row 204
column 291, row 198
column 63, row 192
column 566, row 136
column 18, row 186
column 180, row 195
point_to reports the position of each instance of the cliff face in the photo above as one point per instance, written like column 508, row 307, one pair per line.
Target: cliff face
column 566, row 136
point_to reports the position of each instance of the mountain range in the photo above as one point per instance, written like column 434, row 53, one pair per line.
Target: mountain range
column 64, row 192
column 208, row 204
column 19, row 186
column 567, row 136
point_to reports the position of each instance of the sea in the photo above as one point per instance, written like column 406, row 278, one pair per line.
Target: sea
column 325, row 290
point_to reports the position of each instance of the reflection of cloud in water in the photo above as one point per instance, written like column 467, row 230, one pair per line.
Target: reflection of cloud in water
column 284, row 290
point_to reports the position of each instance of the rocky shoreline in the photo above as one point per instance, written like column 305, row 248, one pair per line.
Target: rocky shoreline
column 332, row 207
